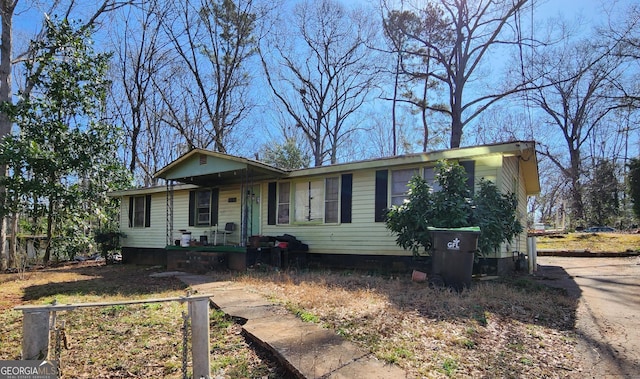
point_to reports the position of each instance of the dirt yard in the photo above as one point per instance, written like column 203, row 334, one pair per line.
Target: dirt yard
column 514, row 327
column 608, row 314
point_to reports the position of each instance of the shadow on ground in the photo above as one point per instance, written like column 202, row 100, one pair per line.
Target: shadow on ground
column 599, row 358
column 107, row 280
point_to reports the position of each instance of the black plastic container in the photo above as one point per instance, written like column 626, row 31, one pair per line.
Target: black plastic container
column 453, row 255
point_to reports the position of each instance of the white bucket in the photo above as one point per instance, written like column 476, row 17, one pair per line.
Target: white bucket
column 186, row 239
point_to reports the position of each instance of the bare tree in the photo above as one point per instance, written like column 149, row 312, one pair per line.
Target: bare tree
column 138, row 56
column 477, row 28
column 576, row 92
column 141, row 55
column 214, row 40
column 321, row 71
column 624, row 32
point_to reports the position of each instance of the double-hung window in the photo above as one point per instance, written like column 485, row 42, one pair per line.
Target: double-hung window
column 331, row 200
column 309, row 201
column 203, row 207
column 399, row 184
column 430, row 178
column 317, row 200
column 284, row 200
column 140, row 211
column 398, row 181
column 323, row 200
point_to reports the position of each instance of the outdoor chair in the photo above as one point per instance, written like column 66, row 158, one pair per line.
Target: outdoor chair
column 229, row 228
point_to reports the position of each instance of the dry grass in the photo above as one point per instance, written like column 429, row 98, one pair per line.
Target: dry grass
column 497, row 329
column 508, row 329
column 133, row 341
column 594, row 242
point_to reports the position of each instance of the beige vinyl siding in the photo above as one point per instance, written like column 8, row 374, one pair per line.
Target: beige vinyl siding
column 181, row 215
column 155, row 235
column 230, row 212
column 522, row 209
column 362, row 236
column 151, row 237
column 365, row 236
column 512, row 179
column 487, row 167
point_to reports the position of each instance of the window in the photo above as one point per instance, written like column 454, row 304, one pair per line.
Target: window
column 399, row 181
column 203, row 207
column 325, row 200
column 140, row 211
column 317, row 200
column 284, row 198
column 331, row 200
column 430, row 177
column 309, row 201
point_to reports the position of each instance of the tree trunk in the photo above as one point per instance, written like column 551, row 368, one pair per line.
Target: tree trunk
column 393, row 107
column 47, row 252
column 423, row 111
column 6, row 43
column 13, row 246
column 577, row 206
column 456, row 129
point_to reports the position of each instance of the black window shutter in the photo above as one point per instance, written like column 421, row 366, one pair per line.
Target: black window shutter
column 272, row 204
column 215, row 197
column 192, row 207
column 470, row 168
column 147, row 211
column 131, row 212
column 381, row 195
column 345, row 198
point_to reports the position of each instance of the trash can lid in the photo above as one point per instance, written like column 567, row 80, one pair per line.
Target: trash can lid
column 475, row 229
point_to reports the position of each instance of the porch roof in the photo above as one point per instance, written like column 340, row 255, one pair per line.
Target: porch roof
column 209, row 168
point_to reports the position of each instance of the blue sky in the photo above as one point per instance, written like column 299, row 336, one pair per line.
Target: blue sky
column 28, row 19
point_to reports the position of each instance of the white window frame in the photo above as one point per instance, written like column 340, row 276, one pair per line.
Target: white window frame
column 283, row 213
column 202, row 210
column 308, row 201
column 429, row 176
column 139, row 214
column 398, row 192
column 332, row 199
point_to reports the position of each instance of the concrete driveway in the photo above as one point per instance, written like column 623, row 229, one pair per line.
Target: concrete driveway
column 608, row 314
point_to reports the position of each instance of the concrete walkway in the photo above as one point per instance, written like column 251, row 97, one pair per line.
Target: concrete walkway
column 308, row 350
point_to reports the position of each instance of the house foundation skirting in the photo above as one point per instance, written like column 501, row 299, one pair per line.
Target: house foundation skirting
column 495, row 266
column 240, row 259
column 144, row 256
column 389, row 263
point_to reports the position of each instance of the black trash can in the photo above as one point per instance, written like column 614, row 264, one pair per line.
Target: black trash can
column 453, row 255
